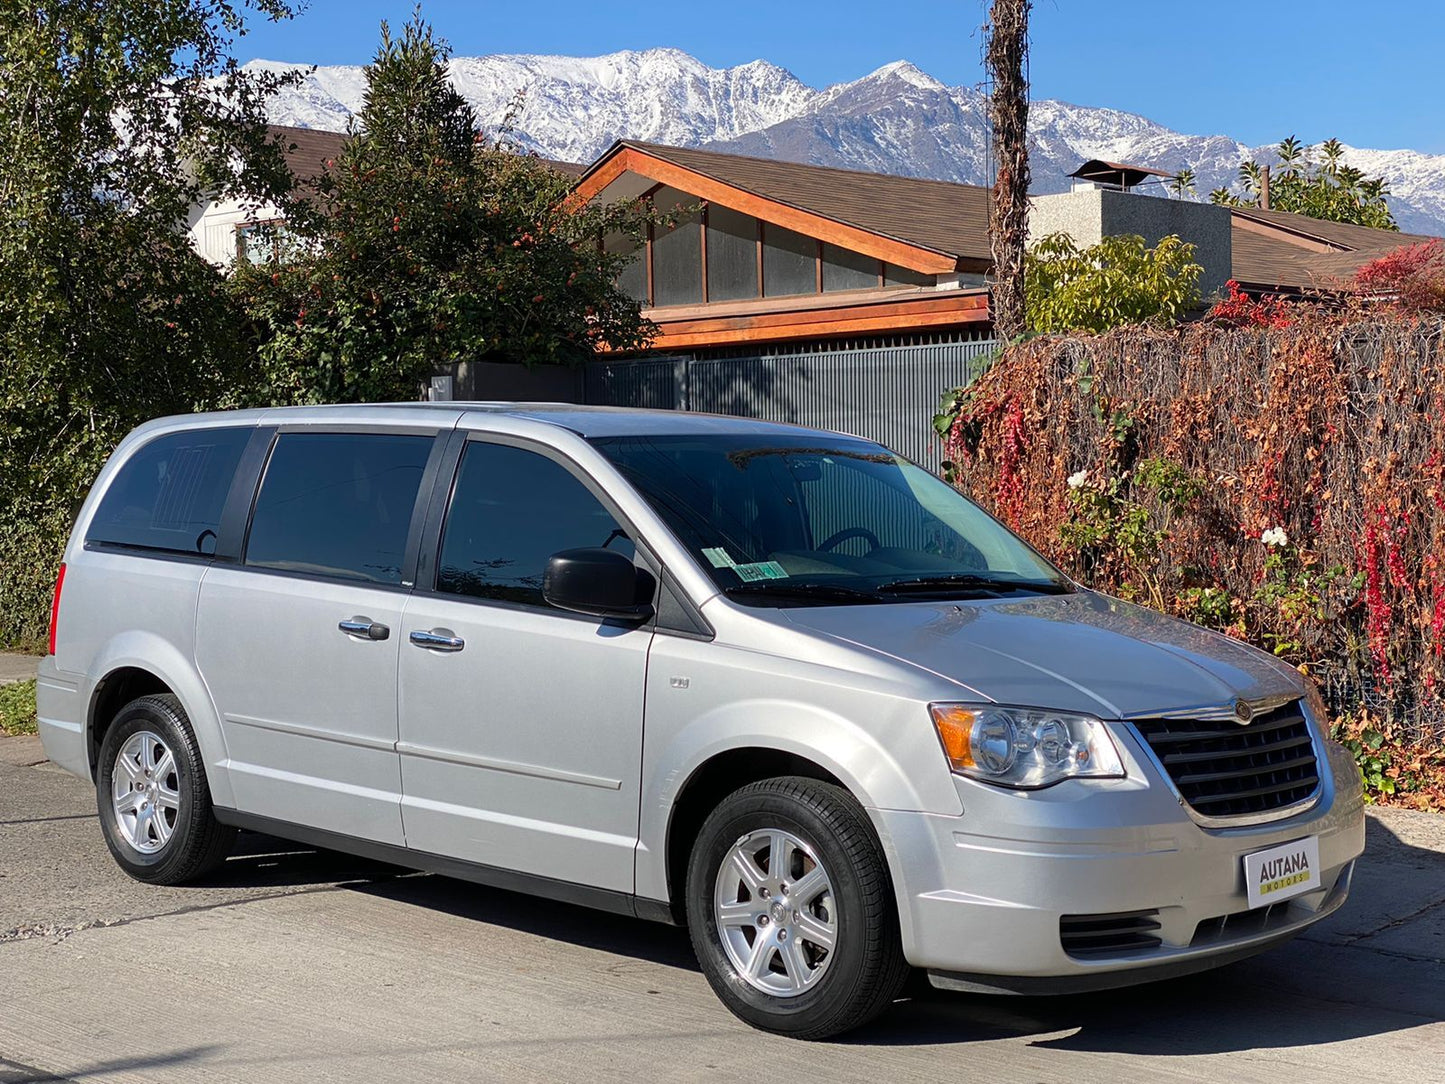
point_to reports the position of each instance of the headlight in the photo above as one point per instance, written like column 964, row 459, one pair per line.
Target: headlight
column 1024, row 747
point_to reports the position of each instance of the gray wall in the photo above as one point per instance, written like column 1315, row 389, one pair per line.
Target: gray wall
column 1089, row 215
column 509, row 382
column 887, row 394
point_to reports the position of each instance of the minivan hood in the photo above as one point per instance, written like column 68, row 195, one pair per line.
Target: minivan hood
column 1082, row 652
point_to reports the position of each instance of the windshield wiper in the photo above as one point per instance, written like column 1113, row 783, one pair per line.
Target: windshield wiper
column 808, row 591
column 968, row 581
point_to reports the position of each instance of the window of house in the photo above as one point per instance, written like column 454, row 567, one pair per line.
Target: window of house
column 264, row 242
column 845, row 270
column 790, row 262
column 732, row 255
column 170, row 494
column 338, row 504
column 677, row 252
column 894, row 275
column 511, row 510
column 632, row 279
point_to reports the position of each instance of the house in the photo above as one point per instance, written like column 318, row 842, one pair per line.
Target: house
column 220, row 229
column 775, row 252
column 785, row 256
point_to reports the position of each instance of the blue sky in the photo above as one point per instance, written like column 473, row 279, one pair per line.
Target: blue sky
column 1369, row 74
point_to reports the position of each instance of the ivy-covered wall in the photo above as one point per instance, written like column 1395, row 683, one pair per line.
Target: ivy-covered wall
column 1284, row 484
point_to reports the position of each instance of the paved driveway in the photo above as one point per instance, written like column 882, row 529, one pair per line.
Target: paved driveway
column 295, row 965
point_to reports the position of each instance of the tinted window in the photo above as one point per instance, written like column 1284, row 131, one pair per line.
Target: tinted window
column 512, row 509
column 169, row 495
column 901, row 276
column 632, row 279
column 338, row 504
column 677, row 252
column 845, row 270
column 790, row 262
column 732, row 255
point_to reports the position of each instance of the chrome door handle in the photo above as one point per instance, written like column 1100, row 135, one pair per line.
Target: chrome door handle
column 438, row 640
column 364, row 627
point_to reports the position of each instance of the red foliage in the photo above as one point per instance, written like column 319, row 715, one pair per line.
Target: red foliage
column 1010, row 489
column 1411, row 277
column 1241, row 310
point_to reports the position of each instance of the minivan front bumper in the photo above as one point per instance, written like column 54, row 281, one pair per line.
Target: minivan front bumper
column 982, row 896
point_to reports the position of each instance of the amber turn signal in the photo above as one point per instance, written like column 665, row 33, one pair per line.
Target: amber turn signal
column 955, row 728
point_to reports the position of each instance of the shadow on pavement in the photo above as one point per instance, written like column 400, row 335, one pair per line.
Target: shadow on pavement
column 1328, row 987
column 15, row 1073
column 262, row 862
column 619, row 934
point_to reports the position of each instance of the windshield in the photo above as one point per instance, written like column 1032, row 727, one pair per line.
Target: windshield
column 831, row 521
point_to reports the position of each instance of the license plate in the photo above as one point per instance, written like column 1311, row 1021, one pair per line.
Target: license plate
column 1282, row 872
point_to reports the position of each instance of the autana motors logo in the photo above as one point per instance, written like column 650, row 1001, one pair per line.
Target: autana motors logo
column 1284, row 872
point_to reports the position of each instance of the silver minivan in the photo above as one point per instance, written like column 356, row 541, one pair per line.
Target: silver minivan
column 777, row 684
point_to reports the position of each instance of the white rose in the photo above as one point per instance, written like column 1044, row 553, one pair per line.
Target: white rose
column 1275, row 536
column 1078, row 479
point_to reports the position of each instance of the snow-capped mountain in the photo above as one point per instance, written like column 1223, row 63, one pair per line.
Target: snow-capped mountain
column 897, row 119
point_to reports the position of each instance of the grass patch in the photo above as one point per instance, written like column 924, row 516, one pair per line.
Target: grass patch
column 17, row 707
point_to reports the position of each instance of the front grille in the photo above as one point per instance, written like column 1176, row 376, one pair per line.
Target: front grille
column 1089, row 936
column 1227, row 769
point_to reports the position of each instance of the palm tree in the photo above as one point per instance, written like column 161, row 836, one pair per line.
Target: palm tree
column 1291, row 154
column 1008, row 218
column 1182, row 183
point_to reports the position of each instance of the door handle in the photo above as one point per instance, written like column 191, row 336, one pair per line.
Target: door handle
column 438, row 640
column 365, row 627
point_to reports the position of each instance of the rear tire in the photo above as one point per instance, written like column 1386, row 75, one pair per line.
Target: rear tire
column 791, row 910
column 153, row 798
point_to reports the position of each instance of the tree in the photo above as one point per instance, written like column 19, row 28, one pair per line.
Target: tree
column 1118, row 281
column 115, row 119
column 1328, row 189
column 1008, row 215
column 434, row 245
column 1181, row 185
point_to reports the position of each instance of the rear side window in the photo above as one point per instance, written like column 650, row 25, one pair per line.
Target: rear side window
column 169, row 495
column 338, row 504
column 511, row 510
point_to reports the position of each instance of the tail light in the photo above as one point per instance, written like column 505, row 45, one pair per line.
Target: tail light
column 55, row 606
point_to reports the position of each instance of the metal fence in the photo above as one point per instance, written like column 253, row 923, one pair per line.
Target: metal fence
column 888, row 394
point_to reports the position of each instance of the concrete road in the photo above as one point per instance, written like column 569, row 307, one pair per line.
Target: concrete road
column 294, row 965
column 16, row 667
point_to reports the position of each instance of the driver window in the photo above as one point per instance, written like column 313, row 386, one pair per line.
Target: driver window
column 511, row 510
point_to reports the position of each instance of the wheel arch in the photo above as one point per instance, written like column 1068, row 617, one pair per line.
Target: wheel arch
column 708, row 784
column 142, row 665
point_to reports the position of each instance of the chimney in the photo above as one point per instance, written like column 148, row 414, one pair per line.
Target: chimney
column 1264, row 189
column 1090, row 215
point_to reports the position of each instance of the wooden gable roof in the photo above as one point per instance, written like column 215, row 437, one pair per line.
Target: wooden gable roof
column 933, row 227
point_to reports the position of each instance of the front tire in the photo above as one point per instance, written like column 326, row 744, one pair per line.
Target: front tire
column 791, row 909
column 153, row 798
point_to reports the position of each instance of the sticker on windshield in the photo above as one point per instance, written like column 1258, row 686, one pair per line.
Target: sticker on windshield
column 761, row 570
column 719, row 557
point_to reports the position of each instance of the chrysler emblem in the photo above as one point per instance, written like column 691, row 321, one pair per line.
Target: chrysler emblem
column 1243, row 713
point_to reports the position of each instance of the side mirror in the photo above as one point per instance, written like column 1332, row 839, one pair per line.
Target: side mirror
column 599, row 582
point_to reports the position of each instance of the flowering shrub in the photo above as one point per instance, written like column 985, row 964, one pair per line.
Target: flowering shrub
column 1238, row 309
column 1283, row 482
column 1411, row 278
